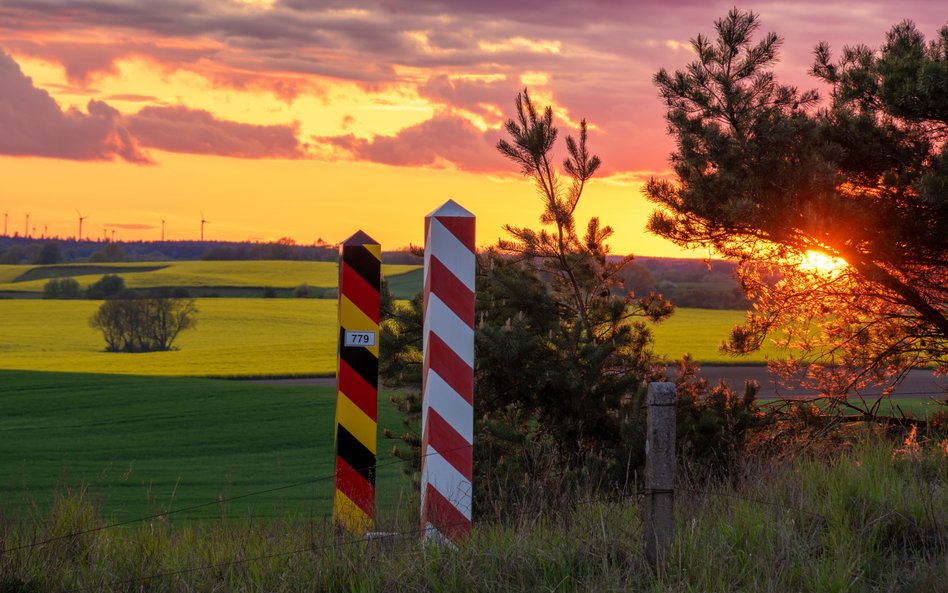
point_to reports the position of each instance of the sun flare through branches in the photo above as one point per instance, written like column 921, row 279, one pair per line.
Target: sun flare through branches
column 821, row 264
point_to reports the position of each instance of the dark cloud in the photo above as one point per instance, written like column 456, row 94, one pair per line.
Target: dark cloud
column 32, row 124
column 180, row 129
column 440, row 140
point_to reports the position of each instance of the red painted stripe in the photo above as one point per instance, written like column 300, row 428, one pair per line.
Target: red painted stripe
column 450, row 367
column 358, row 390
column 360, row 292
column 447, row 519
column 450, row 444
column 355, row 487
column 451, row 291
column 461, row 227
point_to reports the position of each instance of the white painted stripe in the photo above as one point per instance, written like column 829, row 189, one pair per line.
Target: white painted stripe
column 452, row 407
column 448, row 481
column 452, row 253
column 440, row 319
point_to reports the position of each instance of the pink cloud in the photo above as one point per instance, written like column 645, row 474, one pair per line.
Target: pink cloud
column 441, row 138
column 85, row 61
column 32, row 124
column 476, row 96
column 180, row 129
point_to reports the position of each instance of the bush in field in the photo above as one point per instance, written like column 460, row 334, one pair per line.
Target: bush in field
column 109, row 286
column 143, row 324
column 62, row 288
column 303, row 291
column 49, row 254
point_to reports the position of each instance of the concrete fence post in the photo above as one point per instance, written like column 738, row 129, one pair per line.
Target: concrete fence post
column 357, row 375
column 659, row 470
column 447, row 415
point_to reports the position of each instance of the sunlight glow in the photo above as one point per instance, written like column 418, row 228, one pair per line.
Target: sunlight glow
column 816, row 262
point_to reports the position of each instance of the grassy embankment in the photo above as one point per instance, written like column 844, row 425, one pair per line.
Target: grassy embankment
column 237, row 278
column 861, row 522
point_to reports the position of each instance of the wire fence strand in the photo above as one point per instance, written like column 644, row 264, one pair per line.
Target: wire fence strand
column 216, row 502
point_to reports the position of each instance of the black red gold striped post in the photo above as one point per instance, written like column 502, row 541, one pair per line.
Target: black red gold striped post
column 357, row 370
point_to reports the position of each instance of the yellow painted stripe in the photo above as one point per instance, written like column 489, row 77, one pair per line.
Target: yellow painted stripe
column 353, row 319
column 350, row 516
column 356, row 422
column 374, row 249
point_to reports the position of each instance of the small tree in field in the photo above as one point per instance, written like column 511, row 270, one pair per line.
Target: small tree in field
column 147, row 324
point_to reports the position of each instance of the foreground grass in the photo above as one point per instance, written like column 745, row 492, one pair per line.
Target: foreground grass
column 142, row 445
column 861, row 522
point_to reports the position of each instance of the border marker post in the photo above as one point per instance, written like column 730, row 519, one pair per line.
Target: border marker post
column 448, row 375
column 357, row 369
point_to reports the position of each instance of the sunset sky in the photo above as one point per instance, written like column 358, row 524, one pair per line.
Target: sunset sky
column 314, row 118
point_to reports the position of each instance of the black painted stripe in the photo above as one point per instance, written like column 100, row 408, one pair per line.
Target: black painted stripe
column 360, row 359
column 364, row 263
column 357, row 455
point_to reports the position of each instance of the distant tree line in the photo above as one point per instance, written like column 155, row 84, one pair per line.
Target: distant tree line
column 107, row 287
column 22, row 251
column 686, row 282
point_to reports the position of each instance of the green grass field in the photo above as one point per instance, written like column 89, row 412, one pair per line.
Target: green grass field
column 148, row 444
column 198, row 274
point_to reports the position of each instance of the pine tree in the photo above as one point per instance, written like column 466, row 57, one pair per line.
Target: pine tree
column 837, row 215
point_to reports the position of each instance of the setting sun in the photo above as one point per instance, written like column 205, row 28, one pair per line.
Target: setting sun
column 817, row 262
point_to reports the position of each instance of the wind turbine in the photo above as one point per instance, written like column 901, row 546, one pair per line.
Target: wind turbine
column 202, row 225
column 26, row 229
column 162, row 230
column 6, row 215
column 81, row 218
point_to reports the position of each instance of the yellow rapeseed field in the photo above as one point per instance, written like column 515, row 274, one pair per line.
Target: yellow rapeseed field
column 276, row 274
column 256, row 337
column 699, row 332
column 234, row 337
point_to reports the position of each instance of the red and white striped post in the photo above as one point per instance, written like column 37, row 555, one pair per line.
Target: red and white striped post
column 448, row 375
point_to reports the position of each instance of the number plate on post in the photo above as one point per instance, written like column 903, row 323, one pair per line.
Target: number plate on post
column 355, row 339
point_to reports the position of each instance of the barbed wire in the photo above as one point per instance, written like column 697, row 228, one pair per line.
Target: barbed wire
column 414, row 532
